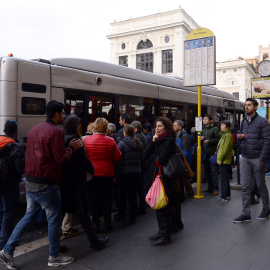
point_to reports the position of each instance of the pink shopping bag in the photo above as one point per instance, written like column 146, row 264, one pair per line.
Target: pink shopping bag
column 156, row 197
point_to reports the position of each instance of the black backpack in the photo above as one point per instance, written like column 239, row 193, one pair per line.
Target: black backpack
column 4, row 169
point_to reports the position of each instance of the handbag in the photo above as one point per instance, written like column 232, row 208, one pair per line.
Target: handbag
column 156, row 197
column 213, row 159
column 175, row 166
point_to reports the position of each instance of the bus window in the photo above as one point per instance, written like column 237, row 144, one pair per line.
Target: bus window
column 34, row 106
column 140, row 109
column 174, row 110
column 89, row 108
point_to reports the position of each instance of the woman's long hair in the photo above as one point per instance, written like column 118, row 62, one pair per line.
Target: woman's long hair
column 167, row 124
column 71, row 125
column 129, row 130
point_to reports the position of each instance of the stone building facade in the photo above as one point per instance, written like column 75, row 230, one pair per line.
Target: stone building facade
column 152, row 43
column 234, row 77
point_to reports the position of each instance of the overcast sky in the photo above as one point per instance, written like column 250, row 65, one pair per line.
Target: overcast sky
column 78, row 28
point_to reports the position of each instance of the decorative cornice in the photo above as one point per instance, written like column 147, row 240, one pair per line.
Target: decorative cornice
column 151, row 29
column 180, row 10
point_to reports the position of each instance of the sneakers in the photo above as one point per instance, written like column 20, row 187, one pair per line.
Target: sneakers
column 221, row 201
column 228, row 198
column 241, row 219
column 70, row 233
column 59, row 260
column 264, row 214
column 7, row 260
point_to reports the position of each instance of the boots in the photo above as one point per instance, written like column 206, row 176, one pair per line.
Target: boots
column 155, row 236
column 179, row 222
column 174, row 226
column 99, row 243
column 164, row 231
column 165, row 238
column 95, row 242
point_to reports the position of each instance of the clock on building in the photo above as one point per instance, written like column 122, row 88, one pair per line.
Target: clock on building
column 264, row 68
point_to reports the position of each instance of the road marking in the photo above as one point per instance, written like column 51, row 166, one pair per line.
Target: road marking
column 20, row 250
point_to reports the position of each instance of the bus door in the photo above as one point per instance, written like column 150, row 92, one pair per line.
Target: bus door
column 89, row 107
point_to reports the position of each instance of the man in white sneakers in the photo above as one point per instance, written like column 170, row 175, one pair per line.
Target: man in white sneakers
column 45, row 155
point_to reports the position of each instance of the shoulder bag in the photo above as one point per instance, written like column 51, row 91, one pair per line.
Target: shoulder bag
column 175, row 166
column 213, row 159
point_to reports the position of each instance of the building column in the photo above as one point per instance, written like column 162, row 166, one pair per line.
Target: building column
column 178, row 52
column 157, row 61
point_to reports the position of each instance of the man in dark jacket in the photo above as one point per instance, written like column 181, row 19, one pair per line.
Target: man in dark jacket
column 12, row 152
column 45, row 155
column 210, row 138
column 254, row 141
column 141, row 185
column 124, row 120
column 147, row 131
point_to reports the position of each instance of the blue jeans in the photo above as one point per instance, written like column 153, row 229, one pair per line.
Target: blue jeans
column 9, row 204
column 50, row 200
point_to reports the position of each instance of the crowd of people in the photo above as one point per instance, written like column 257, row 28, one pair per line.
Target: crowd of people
column 67, row 174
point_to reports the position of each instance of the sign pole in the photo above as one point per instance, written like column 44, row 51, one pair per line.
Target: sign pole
column 199, row 152
column 199, row 69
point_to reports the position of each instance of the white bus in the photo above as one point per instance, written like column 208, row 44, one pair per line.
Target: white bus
column 94, row 89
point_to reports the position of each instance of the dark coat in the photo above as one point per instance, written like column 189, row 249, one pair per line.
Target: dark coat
column 257, row 141
column 142, row 138
column 211, row 133
column 163, row 149
column 119, row 135
column 149, row 136
column 131, row 157
column 14, row 154
column 73, row 181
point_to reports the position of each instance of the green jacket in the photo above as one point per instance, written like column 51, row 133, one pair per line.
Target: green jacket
column 225, row 147
column 212, row 134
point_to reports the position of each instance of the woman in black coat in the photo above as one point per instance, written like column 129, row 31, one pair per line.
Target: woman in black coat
column 73, row 184
column 162, row 148
column 128, row 171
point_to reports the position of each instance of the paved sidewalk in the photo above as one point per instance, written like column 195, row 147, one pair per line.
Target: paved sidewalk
column 209, row 241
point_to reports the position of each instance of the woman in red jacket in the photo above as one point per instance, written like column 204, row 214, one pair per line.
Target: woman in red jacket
column 103, row 153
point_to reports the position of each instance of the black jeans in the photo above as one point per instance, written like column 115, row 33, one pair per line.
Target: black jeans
column 100, row 197
column 88, row 228
column 224, row 181
column 9, row 205
column 128, row 188
column 141, row 190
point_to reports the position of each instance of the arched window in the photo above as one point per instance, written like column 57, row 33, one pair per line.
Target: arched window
column 265, row 56
column 145, row 45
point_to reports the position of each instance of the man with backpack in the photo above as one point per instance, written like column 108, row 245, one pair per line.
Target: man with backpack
column 11, row 170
